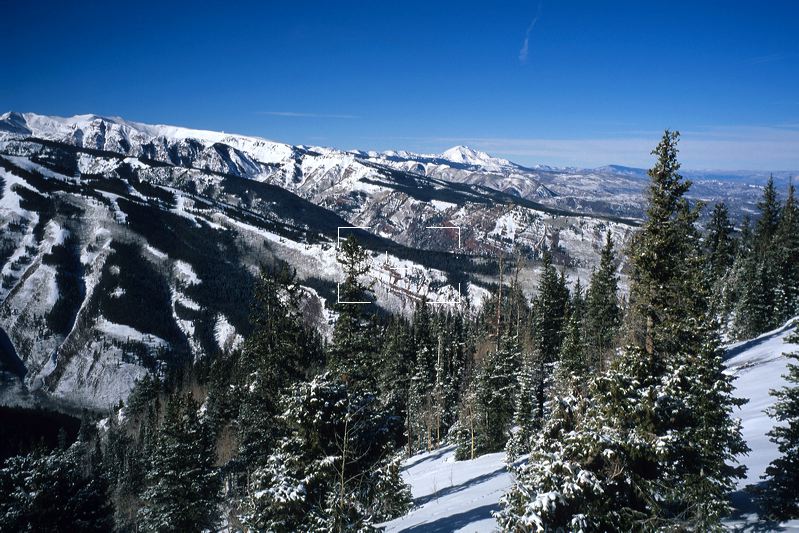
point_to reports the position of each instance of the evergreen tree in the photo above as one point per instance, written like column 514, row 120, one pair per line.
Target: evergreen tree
column 280, row 352
column 550, row 310
column 719, row 243
column 496, row 387
column 654, row 447
column 421, row 421
column 603, row 314
column 397, row 356
column 786, row 253
column 549, row 313
column 183, row 490
column 332, row 470
column 662, row 255
column 525, row 408
column 353, row 349
column 769, row 220
column 573, row 350
column 779, row 496
column 754, row 310
column 53, row 492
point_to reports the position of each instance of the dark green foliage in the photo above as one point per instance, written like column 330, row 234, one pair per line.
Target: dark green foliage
column 353, row 349
column 52, row 492
column 280, row 352
column 226, row 286
column 394, row 379
column 779, row 494
column 653, row 447
column 182, row 485
column 146, row 302
column 765, row 275
column 126, row 172
column 719, row 243
column 786, row 258
column 26, row 430
column 65, row 258
column 603, row 313
column 756, row 298
column 550, row 311
column 332, row 469
column 769, row 219
column 666, row 286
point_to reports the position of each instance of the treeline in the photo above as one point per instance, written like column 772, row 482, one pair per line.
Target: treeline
column 754, row 273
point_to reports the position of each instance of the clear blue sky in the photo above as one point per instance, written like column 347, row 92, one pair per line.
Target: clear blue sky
column 595, row 84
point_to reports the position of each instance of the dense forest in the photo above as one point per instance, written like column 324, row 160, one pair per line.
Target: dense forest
column 616, row 404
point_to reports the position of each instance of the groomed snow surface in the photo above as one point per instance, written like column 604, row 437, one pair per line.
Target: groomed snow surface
column 459, row 496
column 453, row 496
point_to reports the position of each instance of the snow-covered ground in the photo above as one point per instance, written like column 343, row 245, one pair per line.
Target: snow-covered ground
column 459, row 496
column 759, row 366
column 451, row 496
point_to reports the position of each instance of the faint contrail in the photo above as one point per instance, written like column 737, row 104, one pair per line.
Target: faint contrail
column 526, row 43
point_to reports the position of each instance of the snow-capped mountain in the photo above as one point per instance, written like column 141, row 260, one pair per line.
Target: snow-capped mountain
column 127, row 246
column 468, row 156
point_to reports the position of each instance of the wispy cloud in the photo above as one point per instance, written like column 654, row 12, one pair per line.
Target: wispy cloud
column 770, row 58
column 525, row 49
column 294, row 114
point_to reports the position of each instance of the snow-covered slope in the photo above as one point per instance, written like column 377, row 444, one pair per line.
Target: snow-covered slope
column 759, row 366
column 396, row 195
column 453, row 496
column 99, row 215
column 459, row 496
column 203, row 209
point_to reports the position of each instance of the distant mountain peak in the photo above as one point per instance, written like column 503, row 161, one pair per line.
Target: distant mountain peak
column 469, row 156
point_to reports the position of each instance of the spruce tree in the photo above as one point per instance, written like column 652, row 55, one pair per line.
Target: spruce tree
column 603, row 314
column 786, row 254
column 53, row 492
column 652, row 446
column 573, row 350
column 525, row 408
column 719, row 243
column 182, row 484
column 754, row 310
column 769, row 219
column 779, row 496
column 353, row 349
column 394, row 381
column 279, row 352
column 550, row 310
column 333, row 468
column 421, row 409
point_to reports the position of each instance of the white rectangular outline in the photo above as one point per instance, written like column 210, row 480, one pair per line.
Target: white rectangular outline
column 448, row 302
column 339, row 228
column 435, row 302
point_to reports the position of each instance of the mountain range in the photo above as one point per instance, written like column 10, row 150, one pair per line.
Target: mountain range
column 127, row 247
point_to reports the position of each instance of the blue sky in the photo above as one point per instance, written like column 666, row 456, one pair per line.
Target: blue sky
column 595, row 83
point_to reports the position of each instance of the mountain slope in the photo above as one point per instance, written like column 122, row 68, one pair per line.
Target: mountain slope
column 171, row 224
column 128, row 248
column 459, row 496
